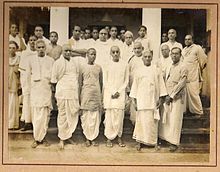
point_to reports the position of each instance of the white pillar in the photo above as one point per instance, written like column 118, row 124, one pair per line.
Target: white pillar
column 151, row 18
column 59, row 22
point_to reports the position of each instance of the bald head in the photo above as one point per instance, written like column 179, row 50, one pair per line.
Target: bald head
column 66, row 51
column 115, row 53
column 138, row 48
column 172, row 34
column 188, row 40
column 165, row 50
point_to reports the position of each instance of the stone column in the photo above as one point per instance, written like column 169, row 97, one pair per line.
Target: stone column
column 151, row 18
column 59, row 22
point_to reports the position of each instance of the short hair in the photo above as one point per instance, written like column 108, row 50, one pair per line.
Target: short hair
column 95, row 28
column 38, row 26
column 177, row 49
column 54, row 32
column 32, row 35
column 76, row 26
column 87, row 28
column 87, row 52
column 113, row 27
column 40, row 41
column 15, row 43
column 190, row 35
column 142, row 26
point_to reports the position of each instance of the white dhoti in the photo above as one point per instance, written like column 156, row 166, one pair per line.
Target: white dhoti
column 193, row 103
column 68, row 117
column 146, row 127
column 133, row 112
column 90, row 124
column 113, row 123
column 26, row 109
column 40, row 120
column 171, row 129
column 13, row 111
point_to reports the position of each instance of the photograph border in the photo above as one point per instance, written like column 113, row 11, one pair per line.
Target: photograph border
column 214, row 128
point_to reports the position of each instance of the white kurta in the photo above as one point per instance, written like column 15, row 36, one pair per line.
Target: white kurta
column 147, row 87
column 134, row 64
column 25, row 84
column 163, row 63
column 40, row 69
column 172, row 116
column 102, row 53
column 127, row 51
column 13, row 111
column 65, row 73
column 115, row 80
column 194, row 59
column 115, row 42
column 146, row 43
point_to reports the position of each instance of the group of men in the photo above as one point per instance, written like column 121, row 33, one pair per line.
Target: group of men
column 99, row 75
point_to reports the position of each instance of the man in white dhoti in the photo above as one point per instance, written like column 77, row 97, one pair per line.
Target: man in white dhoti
column 39, row 33
column 91, row 98
column 116, row 78
column 39, row 70
column 15, row 36
column 172, row 116
column 143, row 39
column 195, row 60
column 78, row 45
column 13, row 87
column 172, row 40
column 134, row 63
column 127, row 47
column 147, row 92
column 113, row 40
column 65, row 75
column 25, row 82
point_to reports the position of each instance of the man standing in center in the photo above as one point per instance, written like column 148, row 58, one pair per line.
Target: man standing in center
column 116, row 78
column 65, row 75
column 147, row 92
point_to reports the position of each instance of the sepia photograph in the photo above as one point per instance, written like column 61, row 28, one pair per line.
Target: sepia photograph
column 121, row 85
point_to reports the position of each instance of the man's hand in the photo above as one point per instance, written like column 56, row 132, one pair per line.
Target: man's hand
column 159, row 103
column 116, row 95
column 168, row 100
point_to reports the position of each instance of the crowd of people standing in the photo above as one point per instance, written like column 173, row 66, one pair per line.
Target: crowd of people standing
column 99, row 72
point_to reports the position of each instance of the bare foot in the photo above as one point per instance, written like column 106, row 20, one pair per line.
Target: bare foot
column 109, row 143
column 61, row 144
column 138, row 147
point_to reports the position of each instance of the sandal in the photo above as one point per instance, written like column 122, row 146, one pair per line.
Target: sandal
column 35, row 144
column 138, row 147
column 120, row 143
column 88, row 143
column 94, row 143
